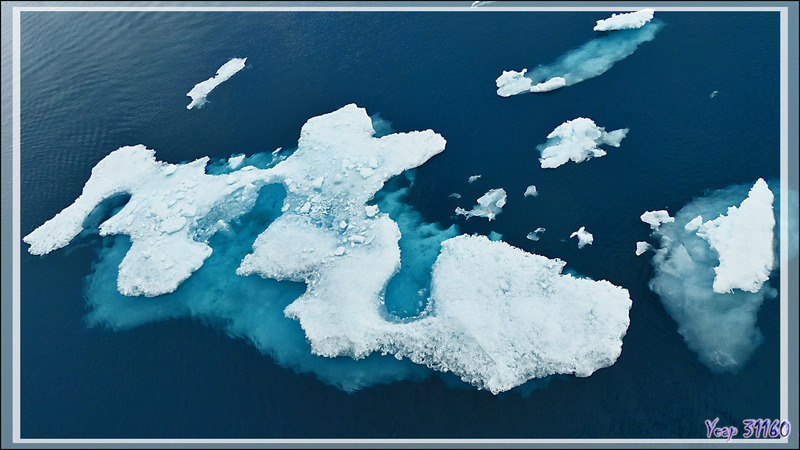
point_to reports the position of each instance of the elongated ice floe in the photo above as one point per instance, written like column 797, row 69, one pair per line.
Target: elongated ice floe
column 625, row 21
column 584, row 237
column 656, row 218
column 489, row 205
column 588, row 61
column 711, row 276
column 201, row 90
column 744, row 263
column 577, row 140
column 172, row 211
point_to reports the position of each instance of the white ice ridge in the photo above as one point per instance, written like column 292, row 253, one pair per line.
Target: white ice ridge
column 172, row 211
column 531, row 191
column 656, row 218
column 489, row 205
column 201, row 90
column 642, row 247
column 584, row 237
column 577, row 140
column 625, row 21
column 743, row 240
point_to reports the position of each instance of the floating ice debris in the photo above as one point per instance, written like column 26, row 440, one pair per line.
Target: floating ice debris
column 711, row 278
column 744, row 262
column 590, row 60
column 534, row 235
column 713, row 94
column 167, row 216
column 473, row 178
column 531, row 191
column 201, row 90
column 577, row 140
column 455, row 195
column 489, row 205
column 625, row 21
column 642, row 247
column 656, row 218
column 584, row 237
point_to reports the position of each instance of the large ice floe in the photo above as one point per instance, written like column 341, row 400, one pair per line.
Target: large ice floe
column 626, row 21
column 201, row 90
column 577, row 140
column 711, row 276
column 325, row 237
column 588, row 61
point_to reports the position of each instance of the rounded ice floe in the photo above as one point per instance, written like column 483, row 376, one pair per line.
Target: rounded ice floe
column 743, row 240
column 625, row 21
column 584, row 237
column 577, row 140
column 656, row 218
column 531, row 191
column 201, row 90
column 489, row 205
column 172, row 211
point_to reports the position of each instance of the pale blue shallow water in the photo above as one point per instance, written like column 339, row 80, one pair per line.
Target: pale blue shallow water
column 92, row 82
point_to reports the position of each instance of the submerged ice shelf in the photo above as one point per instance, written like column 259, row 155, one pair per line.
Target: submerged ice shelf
column 496, row 316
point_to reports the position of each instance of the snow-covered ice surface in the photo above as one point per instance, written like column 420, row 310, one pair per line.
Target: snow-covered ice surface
column 495, row 316
column 588, row 61
column 489, row 205
column 714, row 291
column 744, row 263
column 201, row 89
column 531, row 191
column 625, row 21
column 577, row 140
column 172, row 212
column 584, row 237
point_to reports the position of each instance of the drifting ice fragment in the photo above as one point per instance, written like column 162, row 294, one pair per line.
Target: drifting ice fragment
column 531, row 191
column 656, row 218
column 577, row 140
column 489, row 205
column 202, row 89
column 584, row 237
column 642, row 247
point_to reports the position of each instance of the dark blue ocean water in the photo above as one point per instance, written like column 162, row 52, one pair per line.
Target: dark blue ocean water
column 92, row 82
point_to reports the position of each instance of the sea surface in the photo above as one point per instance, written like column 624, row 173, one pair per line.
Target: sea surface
column 95, row 81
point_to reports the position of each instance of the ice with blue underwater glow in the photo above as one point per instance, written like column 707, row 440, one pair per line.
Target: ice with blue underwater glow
column 261, row 244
